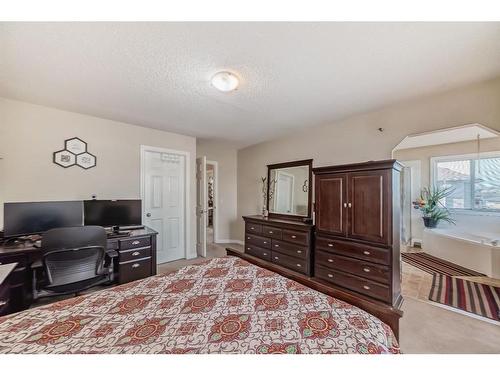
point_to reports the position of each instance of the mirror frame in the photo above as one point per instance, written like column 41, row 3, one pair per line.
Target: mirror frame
column 290, row 164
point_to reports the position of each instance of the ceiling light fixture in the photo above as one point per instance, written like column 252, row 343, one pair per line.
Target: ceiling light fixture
column 225, row 81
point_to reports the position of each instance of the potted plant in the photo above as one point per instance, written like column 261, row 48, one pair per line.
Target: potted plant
column 433, row 210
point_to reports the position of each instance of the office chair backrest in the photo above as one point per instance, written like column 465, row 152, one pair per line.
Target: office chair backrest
column 73, row 254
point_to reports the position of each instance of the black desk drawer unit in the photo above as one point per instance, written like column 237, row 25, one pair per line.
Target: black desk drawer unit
column 136, row 258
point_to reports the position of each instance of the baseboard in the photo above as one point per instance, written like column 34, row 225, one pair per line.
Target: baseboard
column 239, row 242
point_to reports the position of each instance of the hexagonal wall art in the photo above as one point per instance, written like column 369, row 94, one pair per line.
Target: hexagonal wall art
column 64, row 158
column 86, row 160
column 75, row 145
column 75, row 153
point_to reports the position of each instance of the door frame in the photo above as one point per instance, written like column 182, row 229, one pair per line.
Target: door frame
column 216, row 198
column 187, row 196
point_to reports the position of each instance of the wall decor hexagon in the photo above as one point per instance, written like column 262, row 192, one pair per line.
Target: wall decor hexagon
column 64, row 158
column 86, row 160
column 75, row 153
column 75, row 145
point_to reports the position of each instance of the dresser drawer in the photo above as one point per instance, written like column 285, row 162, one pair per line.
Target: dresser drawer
column 299, row 265
column 350, row 249
column 134, row 270
column 253, row 228
column 289, row 249
column 272, row 232
column 132, row 254
column 355, row 283
column 258, row 252
column 258, row 240
column 132, row 243
column 299, row 238
column 372, row 271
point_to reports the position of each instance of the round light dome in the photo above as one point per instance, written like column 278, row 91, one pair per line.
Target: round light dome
column 225, row 81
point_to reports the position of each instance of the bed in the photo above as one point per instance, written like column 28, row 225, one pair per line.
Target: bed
column 223, row 305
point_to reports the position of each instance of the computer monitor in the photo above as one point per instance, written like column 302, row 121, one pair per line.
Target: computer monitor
column 26, row 218
column 113, row 213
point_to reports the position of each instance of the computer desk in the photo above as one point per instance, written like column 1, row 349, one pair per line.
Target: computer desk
column 136, row 260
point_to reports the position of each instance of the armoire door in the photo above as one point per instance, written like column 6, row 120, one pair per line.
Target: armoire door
column 368, row 206
column 330, row 211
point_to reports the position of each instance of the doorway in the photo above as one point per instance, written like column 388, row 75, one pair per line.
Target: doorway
column 211, row 201
column 206, row 202
column 165, row 199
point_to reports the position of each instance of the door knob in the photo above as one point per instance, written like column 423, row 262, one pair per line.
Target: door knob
column 148, row 214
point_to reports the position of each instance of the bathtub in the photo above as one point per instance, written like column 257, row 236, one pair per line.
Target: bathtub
column 477, row 251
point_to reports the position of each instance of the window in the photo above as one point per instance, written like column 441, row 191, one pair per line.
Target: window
column 476, row 184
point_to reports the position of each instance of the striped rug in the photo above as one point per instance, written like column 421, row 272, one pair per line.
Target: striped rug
column 432, row 264
column 476, row 298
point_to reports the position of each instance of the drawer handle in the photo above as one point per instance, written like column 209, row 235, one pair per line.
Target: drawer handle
column 3, row 303
column 330, row 260
column 276, row 258
column 299, row 251
column 264, row 253
column 330, row 275
column 136, row 242
column 294, row 236
column 264, row 242
column 135, row 253
column 270, row 232
column 366, row 269
column 366, row 252
column 252, row 228
column 299, row 265
column 330, row 245
column 135, row 265
column 248, row 248
column 366, row 287
column 276, row 245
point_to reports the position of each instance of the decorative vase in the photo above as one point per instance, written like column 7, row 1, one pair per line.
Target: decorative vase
column 429, row 222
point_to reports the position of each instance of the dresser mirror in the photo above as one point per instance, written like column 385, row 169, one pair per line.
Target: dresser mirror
column 289, row 188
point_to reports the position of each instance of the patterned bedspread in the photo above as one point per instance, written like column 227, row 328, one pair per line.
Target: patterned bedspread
column 224, row 305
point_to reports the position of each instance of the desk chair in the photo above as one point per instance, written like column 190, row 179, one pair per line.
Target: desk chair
column 73, row 259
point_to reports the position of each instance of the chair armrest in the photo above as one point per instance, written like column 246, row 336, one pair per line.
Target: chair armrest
column 112, row 253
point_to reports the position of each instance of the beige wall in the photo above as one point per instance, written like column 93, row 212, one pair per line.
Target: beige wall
column 225, row 156
column 29, row 134
column 357, row 139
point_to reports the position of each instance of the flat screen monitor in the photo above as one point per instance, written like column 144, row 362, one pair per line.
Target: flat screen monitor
column 25, row 218
column 109, row 213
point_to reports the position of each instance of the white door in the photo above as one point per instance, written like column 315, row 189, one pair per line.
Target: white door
column 164, row 202
column 284, row 192
column 201, row 206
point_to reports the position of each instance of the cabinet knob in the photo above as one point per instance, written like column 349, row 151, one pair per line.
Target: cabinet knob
column 276, row 258
column 366, row 252
column 366, row 287
column 248, row 248
column 366, row 269
column 299, row 265
column 135, row 265
column 330, row 245
column 299, row 251
column 294, row 236
column 345, row 205
column 252, row 228
column 330, row 260
column 270, row 232
column 349, row 205
column 330, row 275
column 276, row 245
column 136, row 242
column 135, row 253
column 248, row 238
column 265, row 242
column 264, row 253
column 3, row 303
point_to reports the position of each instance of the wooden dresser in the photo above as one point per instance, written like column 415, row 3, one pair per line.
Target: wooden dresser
column 287, row 243
column 357, row 244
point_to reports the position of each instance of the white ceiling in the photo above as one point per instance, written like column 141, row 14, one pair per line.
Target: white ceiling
column 293, row 75
column 450, row 135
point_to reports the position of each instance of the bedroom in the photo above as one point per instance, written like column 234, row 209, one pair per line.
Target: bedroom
column 115, row 136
